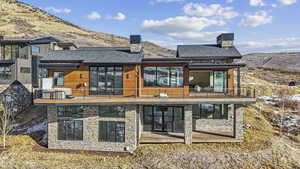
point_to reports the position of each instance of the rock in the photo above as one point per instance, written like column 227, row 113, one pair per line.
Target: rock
column 247, row 126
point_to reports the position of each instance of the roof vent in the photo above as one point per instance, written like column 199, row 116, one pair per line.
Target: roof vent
column 136, row 44
column 225, row 40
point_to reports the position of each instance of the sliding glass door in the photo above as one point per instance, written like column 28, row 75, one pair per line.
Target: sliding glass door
column 163, row 119
column 106, row 80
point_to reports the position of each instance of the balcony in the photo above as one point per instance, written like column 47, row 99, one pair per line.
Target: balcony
column 144, row 96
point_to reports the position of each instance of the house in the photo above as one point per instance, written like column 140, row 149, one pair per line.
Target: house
column 18, row 68
column 114, row 99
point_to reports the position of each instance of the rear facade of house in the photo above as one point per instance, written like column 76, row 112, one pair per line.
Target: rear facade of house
column 114, row 99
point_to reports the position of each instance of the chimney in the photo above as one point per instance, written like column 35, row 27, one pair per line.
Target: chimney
column 225, row 40
column 136, row 44
column 1, row 37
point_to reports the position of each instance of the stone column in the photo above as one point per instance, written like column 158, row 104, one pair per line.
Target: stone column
column 52, row 126
column 188, row 124
column 238, row 122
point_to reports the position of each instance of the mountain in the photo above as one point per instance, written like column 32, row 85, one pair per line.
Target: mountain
column 281, row 61
column 22, row 21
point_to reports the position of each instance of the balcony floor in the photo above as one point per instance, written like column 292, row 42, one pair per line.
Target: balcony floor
column 149, row 100
column 198, row 137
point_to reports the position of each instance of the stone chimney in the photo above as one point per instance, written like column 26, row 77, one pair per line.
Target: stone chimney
column 136, row 44
column 225, row 40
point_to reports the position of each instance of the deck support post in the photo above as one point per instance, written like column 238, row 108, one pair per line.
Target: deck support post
column 238, row 81
column 188, row 124
column 238, row 121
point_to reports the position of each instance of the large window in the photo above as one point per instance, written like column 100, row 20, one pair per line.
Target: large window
column 211, row 111
column 5, row 73
column 111, row 131
column 25, row 70
column 10, row 52
column 163, row 119
column 112, row 111
column 208, row 81
column 70, row 130
column 58, row 78
column 70, row 111
column 163, row 76
column 106, row 80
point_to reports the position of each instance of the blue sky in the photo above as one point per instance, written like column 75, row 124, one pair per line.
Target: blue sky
column 259, row 25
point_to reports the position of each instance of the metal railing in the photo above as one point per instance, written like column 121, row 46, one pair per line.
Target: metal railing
column 63, row 93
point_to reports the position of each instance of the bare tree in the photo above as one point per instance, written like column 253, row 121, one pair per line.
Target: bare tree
column 6, row 121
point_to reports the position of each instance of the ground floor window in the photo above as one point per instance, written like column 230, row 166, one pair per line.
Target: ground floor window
column 5, row 73
column 163, row 119
column 111, row 131
column 211, row 111
column 112, row 111
column 70, row 111
column 70, row 130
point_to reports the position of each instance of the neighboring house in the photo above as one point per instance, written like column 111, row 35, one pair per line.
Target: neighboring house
column 113, row 99
column 18, row 68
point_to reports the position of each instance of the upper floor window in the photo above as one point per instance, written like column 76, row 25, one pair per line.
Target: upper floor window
column 35, row 49
column 70, row 130
column 211, row 111
column 10, row 52
column 5, row 73
column 163, row 76
column 112, row 111
column 70, row 111
column 58, row 78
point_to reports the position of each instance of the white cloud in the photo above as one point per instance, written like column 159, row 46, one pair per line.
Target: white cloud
column 119, row 17
column 213, row 10
column 229, row 1
column 272, row 45
column 183, row 28
column 58, row 10
column 256, row 3
column 274, row 5
column 166, row 1
column 288, row 2
column 94, row 15
column 179, row 24
column 256, row 19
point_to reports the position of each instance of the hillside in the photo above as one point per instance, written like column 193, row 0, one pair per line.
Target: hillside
column 282, row 61
column 22, row 21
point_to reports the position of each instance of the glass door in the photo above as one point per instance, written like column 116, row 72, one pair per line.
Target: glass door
column 158, row 119
column 219, row 81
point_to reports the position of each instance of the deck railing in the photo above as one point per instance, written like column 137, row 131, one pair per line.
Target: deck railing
column 64, row 93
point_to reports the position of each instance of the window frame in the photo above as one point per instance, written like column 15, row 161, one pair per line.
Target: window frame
column 35, row 47
column 25, row 70
column 105, row 137
column 64, row 136
column 70, row 111
column 111, row 111
column 171, row 71
column 221, row 115
column 13, row 52
column 5, row 73
column 55, row 79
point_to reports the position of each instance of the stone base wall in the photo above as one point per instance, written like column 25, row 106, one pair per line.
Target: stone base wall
column 239, row 122
column 214, row 124
column 91, row 131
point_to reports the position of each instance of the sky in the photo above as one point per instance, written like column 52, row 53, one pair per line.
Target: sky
column 259, row 25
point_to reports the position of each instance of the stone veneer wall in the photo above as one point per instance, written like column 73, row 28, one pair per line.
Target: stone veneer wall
column 214, row 124
column 239, row 122
column 91, row 131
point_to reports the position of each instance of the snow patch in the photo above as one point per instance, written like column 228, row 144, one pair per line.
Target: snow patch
column 38, row 127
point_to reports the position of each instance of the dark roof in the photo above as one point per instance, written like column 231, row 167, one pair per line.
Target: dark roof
column 44, row 40
column 215, row 65
column 207, row 51
column 93, row 56
column 125, row 49
column 184, row 60
column 11, row 41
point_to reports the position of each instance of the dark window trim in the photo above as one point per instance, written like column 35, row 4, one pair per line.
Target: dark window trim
column 75, row 110
column 112, row 113
column 156, row 77
column 62, row 77
column 73, row 131
column 202, row 115
column 6, row 74
column 107, row 139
